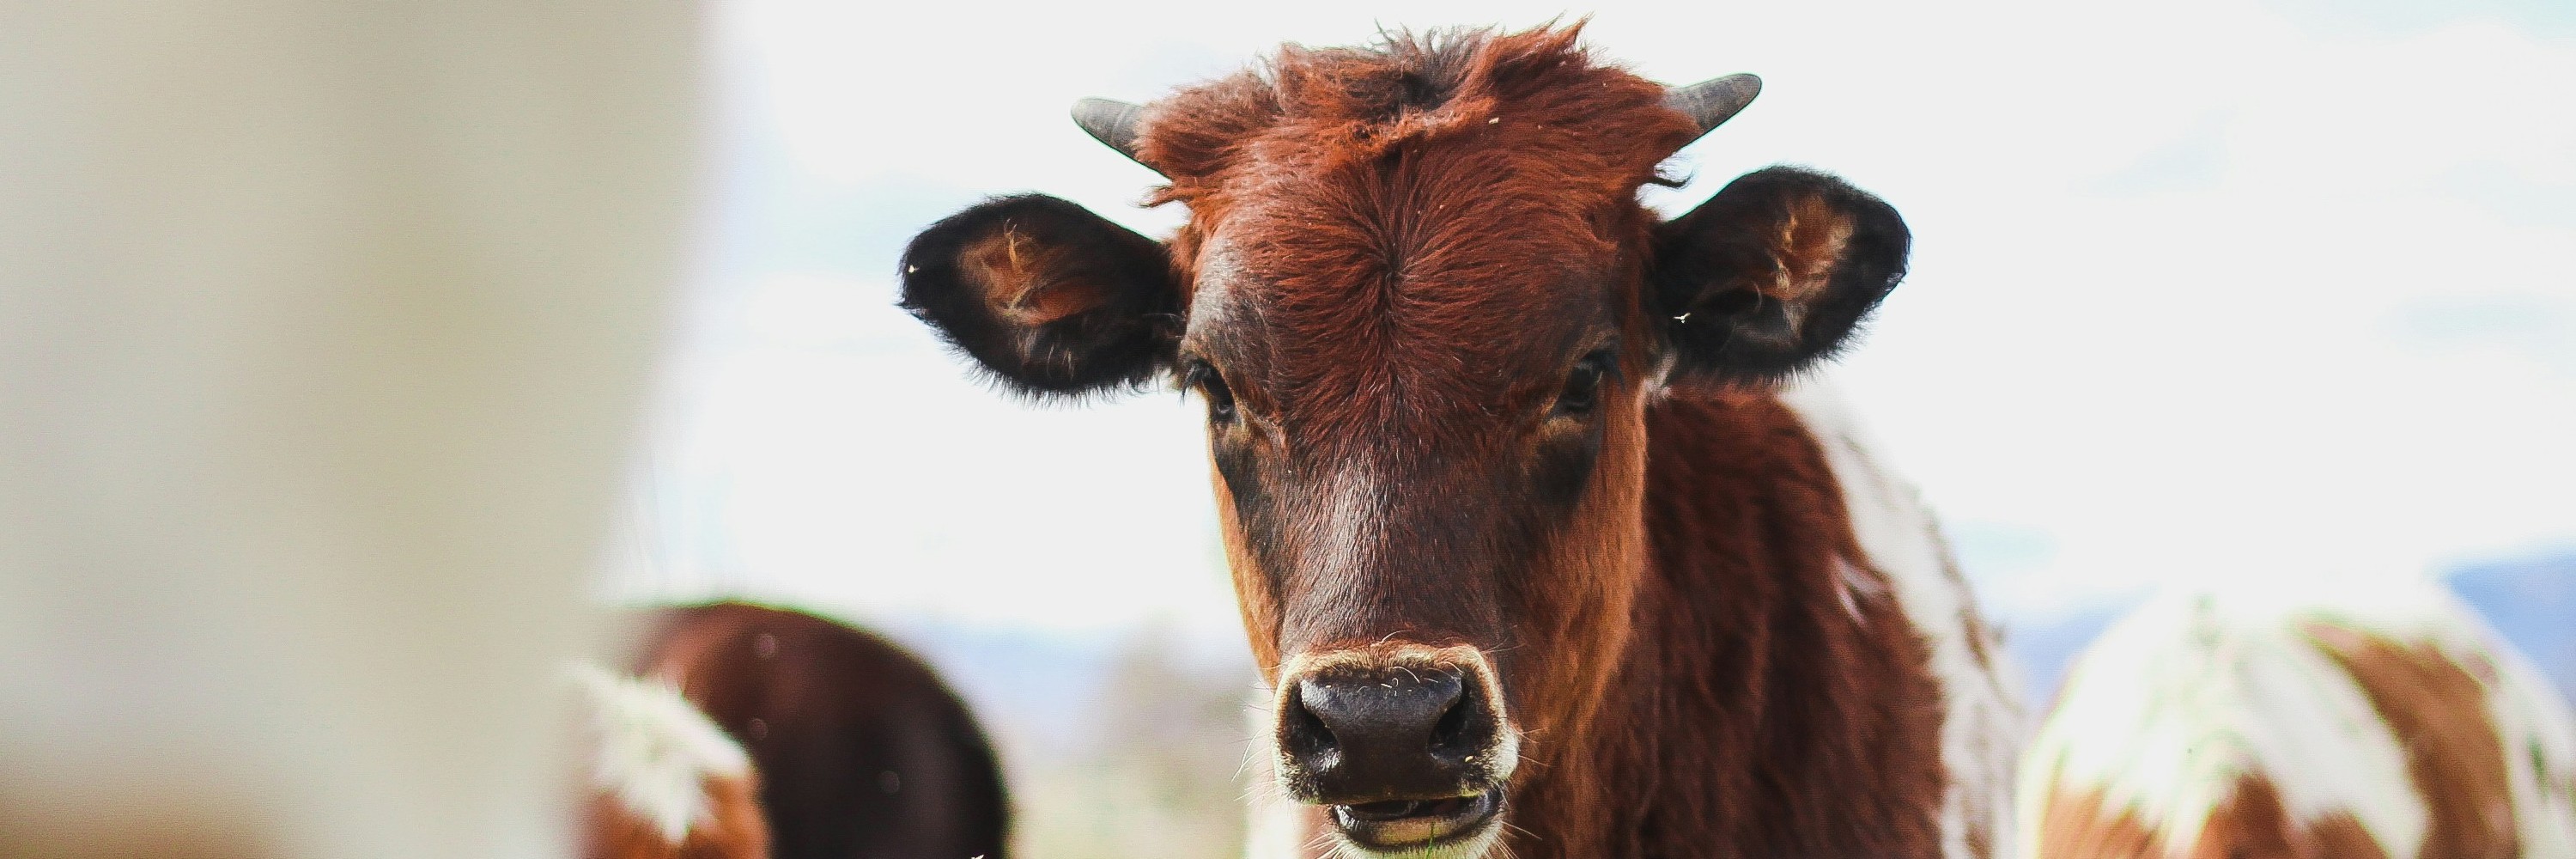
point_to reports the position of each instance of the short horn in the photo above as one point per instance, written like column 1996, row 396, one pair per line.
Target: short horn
column 1709, row 103
column 1111, row 122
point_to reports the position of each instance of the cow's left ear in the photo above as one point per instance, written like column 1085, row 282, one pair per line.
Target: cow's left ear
column 1772, row 274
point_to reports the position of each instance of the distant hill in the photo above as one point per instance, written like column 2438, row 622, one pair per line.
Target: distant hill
column 2533, row 603
column 2044, row 647
column 1041, row 689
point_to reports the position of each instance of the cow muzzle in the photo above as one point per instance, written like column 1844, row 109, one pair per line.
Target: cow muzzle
column 1408, row 745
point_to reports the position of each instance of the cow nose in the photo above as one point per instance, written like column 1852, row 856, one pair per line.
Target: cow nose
column 1379, row 734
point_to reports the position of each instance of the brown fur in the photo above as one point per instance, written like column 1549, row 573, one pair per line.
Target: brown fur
column 1404, row 268
column 827, row 713
column 2077, row 825
column 1808, row 243
column 1012, row 272
column 1394, row 249
column 1379, row 277
column 1758, row 713
column 2437, row 708
column 1748, row 713
column 736, row 832
column 2250, row 824
column 1397, row 237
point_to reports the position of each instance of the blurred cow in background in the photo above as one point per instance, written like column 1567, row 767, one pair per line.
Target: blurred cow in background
column 862, row 752
column 2388, row 723
column 665, row 781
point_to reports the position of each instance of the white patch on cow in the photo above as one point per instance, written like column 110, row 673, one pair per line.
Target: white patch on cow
column 1852, row 585
column 654, row 750
column 2539, row 732
column 1983, row 719
column 2533, row 723
column 2173, row 705
column 2169, row 707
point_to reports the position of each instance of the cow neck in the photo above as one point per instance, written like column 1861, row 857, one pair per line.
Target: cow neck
column 1773, row 700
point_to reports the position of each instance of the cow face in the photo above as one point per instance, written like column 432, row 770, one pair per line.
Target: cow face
column 1425, row 312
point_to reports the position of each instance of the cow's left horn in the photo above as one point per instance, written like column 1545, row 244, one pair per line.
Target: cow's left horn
column 1709, row 103
column 1111, row 122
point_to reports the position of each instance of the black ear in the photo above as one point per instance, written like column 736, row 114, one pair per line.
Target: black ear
column 1773, row 273
column 1047, row 296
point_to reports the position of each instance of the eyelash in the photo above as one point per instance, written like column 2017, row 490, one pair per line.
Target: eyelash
column 1583, row 384
column 1210, row 385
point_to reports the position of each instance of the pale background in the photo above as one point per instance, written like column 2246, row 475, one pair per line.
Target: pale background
column 2203, row 290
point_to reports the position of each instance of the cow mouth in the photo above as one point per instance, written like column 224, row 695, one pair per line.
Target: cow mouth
column 1416, row 824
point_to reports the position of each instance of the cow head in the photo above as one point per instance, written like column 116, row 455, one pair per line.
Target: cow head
column 1426, row 312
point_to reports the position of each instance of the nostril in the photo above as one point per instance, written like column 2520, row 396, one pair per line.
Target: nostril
column 1358, row 734
column 1407, row 721
column 1466, row 727
column 1452, row 727
column 1306, row 735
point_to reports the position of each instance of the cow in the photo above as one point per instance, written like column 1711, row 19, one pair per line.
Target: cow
column 861, row 751
column 664, row 782
column 2375, row 722
column 1544, row 543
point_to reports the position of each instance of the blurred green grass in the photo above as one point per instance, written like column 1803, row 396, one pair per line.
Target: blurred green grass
column 1160, row 773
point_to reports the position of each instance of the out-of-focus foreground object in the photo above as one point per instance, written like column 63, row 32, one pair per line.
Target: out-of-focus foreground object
column 2379, row 722
column 665, row 780
column 862, row 750
column 324, row 334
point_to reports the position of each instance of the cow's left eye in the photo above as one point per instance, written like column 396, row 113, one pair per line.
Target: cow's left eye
column 1583, row 385
column 1220, row 399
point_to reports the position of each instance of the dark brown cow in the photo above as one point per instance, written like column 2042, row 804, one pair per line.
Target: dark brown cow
column 862, row 752
column 1536, row 548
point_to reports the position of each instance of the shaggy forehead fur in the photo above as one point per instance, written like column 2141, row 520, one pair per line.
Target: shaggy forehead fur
column 1533, row 102
column 1431, row 203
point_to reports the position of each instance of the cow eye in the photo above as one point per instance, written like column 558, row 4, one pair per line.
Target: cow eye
column 1583, row 384
column 1210, row 385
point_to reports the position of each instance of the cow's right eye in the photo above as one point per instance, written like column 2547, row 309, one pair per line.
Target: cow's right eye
column 1211, row 385
column 1583, row 384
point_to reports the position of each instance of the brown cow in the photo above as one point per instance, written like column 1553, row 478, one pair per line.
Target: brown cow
column 862, row 752
column 2348, row 722
column 664, row 781
column 1536, row 548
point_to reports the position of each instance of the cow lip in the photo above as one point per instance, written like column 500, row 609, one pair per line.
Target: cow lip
column 1402, row 824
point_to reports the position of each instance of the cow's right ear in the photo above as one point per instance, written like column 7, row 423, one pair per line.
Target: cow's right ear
column 1048, row 297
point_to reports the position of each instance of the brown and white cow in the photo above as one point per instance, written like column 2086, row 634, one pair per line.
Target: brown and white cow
column 2371, row 722
column 862, row 751
column 1539, row 550
column 663, row 781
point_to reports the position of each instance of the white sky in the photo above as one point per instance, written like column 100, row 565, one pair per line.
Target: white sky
column 2209, row 289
